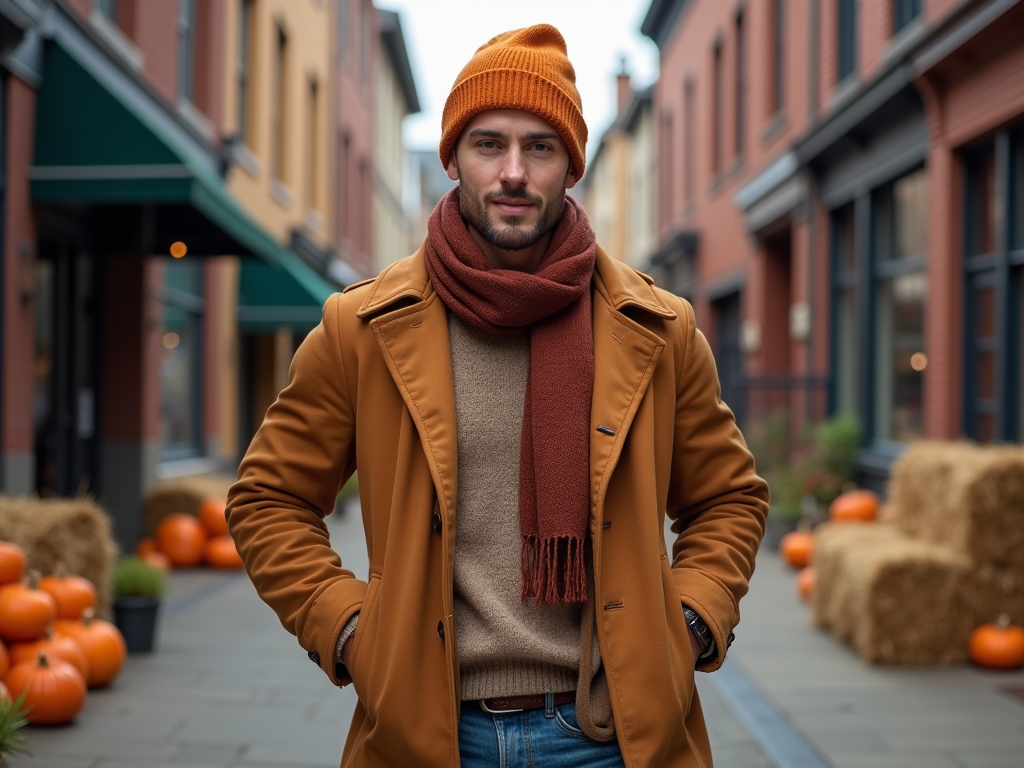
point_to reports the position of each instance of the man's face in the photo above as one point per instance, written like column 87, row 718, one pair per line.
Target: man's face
column 513, row 169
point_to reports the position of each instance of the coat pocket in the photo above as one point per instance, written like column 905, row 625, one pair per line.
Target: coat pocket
column 367, row 626
column 681, row 657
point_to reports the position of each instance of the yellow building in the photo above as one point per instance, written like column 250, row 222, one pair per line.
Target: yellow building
column 395, row 99
column 278, row 111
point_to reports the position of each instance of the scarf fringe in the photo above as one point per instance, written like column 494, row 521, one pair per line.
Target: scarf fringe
column 553, row 570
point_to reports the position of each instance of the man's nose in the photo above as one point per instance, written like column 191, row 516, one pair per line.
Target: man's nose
column 513, row 170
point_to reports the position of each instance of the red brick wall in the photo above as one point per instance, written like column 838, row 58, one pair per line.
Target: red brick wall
column 19, row 235
column 155, row 33
column 828, row 52
column 209, row 93
column 354, row 110
column 82, row 7
column 873, row 35
column 934, row 10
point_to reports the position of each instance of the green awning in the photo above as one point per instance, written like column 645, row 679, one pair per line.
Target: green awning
column 103, row 139
column 265, row 303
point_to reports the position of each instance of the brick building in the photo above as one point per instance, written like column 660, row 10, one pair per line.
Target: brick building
column 816, row 204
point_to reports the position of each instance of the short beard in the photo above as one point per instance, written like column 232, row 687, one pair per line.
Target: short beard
column 511, row 237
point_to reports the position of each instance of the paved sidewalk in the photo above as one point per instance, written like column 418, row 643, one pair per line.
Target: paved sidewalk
column 229, row 687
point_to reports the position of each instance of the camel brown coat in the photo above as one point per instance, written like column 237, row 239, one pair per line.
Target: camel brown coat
column 371, row 387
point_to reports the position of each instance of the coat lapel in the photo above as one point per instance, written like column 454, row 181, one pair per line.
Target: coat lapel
column 625, row 355
column 416, row 349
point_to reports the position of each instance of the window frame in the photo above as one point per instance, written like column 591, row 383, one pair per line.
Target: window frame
column 187, row 50
column 194, row 304
column 846, row 39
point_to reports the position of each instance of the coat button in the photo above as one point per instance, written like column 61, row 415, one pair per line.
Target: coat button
column 435, row 522
column 314, row 657
column 440, row 629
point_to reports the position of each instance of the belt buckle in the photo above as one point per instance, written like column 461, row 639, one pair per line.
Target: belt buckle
column 488, row 710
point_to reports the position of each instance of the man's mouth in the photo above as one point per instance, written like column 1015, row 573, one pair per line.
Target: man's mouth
column 512, row 207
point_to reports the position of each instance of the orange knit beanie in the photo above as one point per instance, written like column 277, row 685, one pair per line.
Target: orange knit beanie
column 524, row 69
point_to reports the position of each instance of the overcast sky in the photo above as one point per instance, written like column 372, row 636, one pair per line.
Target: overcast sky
column 442, row 35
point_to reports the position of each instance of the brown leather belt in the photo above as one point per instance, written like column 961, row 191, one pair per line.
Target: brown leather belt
column 507, row 705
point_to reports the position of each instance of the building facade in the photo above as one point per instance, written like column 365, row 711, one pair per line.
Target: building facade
column 838, row 193
column 396, row 99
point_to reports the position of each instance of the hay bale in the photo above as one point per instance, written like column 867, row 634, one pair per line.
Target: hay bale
column 182, row 494
column 963, row 496
column 897, row 600
column 74, row 532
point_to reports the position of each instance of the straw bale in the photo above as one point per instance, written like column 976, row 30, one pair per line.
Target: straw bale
column 897, row 600
column 963, row 496
column 182, row 494
column 74, row 532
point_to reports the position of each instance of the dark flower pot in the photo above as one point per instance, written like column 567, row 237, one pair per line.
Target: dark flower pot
column 136, row 618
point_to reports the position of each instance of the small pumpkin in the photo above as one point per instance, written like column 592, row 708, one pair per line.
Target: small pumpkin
column 159, row 559
column 181, row 537
column 144, row 547
column 12, row 562
column 220, row 552
column 998, row 646
column 212, row 514
column 796, row 548
column 102, row 642
column 854, row 507
column 805, row 582
column 54, row 645
column 72, row 594
column 25, row 610
column 54, row 690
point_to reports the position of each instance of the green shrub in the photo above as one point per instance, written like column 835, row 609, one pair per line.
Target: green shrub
column 13, row 740
column 133, row 577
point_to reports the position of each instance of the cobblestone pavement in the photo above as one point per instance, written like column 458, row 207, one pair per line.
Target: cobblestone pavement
column 228, row 686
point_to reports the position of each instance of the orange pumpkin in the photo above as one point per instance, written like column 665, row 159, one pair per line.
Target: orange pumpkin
column 796, row 548
column 72, row 594
column 805, row 583
column 181, row 537
column 220, row 552
column 54, row 645
column 159, row 559
column 854, row 507
column 102, row 643
column 999, row 645
column 212, row 516
column 54, row 690
column 25, row 611
column 12, row 562
column 144, row 547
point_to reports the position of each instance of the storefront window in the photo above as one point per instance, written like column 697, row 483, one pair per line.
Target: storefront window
column 181, row 365
column 845, row 261
column 902, row 287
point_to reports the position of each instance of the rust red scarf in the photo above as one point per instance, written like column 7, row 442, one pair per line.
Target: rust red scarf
column 554, row 304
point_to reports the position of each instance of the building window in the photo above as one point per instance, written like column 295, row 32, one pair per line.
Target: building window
column 312, row 145
column 845, row 341
column 689, row 140
column 344, row 27
column 667, row 171
column 245, row 29
column 904, row 12
column 994, row 277
column 900, row 213
column 279, row 106
column 108, row 8
column 777, row 46
column 846, row 36
column 187, row 49
column 181, row 366
column 717, row 107
column 741, row 85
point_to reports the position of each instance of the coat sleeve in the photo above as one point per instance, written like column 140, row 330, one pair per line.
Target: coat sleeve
column 717, row 502
column 287, row 483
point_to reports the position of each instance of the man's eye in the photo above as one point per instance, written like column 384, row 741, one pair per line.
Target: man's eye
column 487, row 145
column 541, row 147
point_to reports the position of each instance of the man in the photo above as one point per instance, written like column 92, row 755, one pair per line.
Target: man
column 523, row 411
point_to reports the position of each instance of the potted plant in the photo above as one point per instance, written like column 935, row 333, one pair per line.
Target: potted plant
column 12, row 719
column 138, row 588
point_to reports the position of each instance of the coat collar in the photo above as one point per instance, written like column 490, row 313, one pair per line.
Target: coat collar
column 620, row 285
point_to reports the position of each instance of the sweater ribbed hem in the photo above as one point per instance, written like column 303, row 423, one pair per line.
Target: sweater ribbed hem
column 515, row 678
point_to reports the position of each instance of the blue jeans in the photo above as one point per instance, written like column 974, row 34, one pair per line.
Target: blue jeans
column 531, row 739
